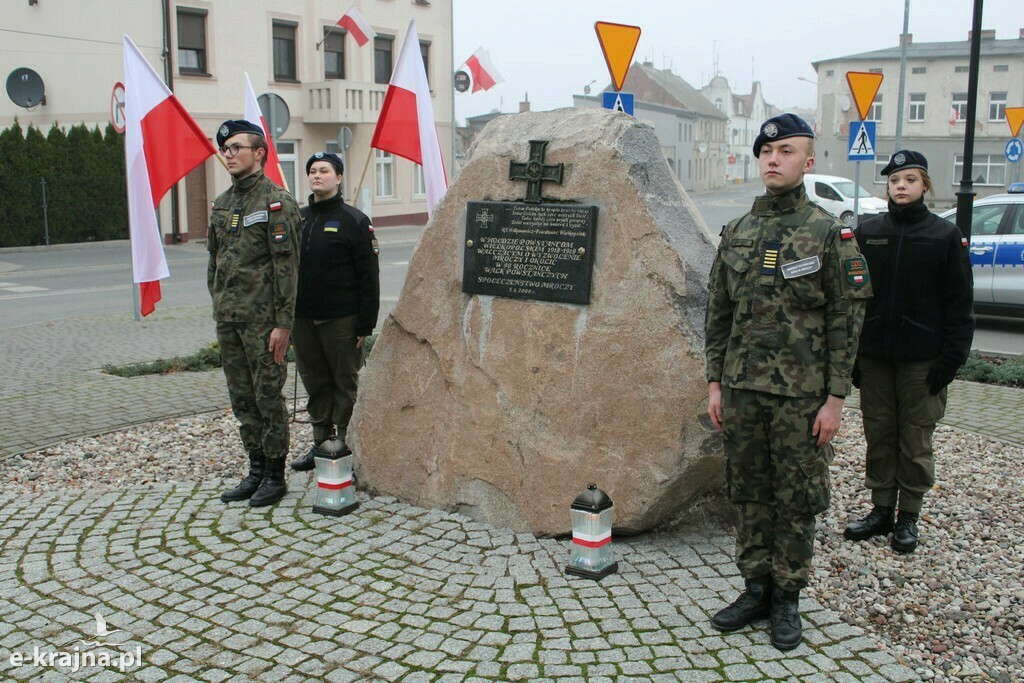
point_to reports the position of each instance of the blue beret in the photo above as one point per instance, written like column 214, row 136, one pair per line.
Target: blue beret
column 234, row 127
column 333, row 159
column 779, row 128
column 905, row 158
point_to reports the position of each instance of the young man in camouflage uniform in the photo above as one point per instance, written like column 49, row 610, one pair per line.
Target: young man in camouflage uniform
column 254, row 262
column 784, row 314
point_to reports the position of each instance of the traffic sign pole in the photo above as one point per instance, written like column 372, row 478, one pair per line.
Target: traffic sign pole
column 856, row 194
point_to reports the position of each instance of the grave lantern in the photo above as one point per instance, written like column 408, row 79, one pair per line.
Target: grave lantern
column 335, row 494
column 592, row 515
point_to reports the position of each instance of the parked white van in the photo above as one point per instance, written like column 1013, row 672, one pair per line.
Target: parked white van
column 835, row 195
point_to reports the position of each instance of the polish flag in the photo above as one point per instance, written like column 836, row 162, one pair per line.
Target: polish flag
column 353, row 22
column 253, row 114
column 162, row 144
column 405, row 126
column 954, row 115
column 485, row 76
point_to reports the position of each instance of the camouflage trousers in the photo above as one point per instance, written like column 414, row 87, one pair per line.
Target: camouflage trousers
column 328, row 362
column 899, row 414
column 778, row 478
column 255, row 382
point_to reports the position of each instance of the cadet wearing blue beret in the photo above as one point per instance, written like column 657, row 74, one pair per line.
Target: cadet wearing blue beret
column 779, row 128
column 785, row 307
column 904, row 159
column 234, row 127
column 333, row 159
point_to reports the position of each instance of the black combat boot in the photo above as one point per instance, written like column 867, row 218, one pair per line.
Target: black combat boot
column 752, row 604
column 785, row 617
column 273, row 486
column 877, row 523
column 905, row 536
column 308, row 461
column 247, row 486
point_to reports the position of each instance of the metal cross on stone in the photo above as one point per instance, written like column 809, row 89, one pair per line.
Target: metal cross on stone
column 534, row 171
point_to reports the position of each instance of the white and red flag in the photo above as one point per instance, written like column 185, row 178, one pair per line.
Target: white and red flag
column 485, row 75
column 353, row 22
column 954, row 115
column 253, row 114
column 405, row 126
column 162, row 144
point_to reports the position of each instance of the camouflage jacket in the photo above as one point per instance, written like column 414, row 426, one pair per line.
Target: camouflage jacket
column 786, row 300
column 254, row 253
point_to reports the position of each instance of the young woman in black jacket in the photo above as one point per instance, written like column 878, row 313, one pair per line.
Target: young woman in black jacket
column 917, row 332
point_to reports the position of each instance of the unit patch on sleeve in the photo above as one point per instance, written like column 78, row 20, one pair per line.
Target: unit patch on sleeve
column 256, row 217
column 856, row 270
column 376, row 247
column 280, row 233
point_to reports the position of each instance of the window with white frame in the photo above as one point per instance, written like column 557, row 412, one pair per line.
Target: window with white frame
column 419, row 185
column 332, row 147
column 917, row 106
column 961, row 69
column 881, row 160
column 385, row 166
column 959, row 104
column 988, row 169
column 1001, row 68
column 919, row 70
column 286, row 157
column 997, row 106
column 875, row 113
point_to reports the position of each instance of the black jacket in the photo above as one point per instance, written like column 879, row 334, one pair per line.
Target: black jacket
column 923, row 308
column 338, row 270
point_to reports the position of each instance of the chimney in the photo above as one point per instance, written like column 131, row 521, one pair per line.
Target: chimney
column 1021, row 36
column 525, row 104
column 986, row 34
column 910, row 39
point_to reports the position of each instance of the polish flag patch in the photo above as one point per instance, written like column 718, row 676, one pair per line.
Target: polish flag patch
column 275, row 206
column 963, row 241
column 858, row 279
column 846, row 233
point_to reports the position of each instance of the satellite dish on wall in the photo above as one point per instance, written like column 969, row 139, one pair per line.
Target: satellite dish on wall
column 844, row 103
column 25, row 88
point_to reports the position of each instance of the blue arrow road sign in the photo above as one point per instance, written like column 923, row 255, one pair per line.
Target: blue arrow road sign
column 619, row 101
column 1014, row 148
column 862, row 141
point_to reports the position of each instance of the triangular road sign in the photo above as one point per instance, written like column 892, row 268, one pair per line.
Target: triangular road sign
column 618, row 43
column 1015, row 117
column 864, row 86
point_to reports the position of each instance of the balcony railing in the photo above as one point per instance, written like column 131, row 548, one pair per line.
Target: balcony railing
column 340, row 101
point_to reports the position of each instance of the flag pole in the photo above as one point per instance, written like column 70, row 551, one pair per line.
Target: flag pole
column 283, row 179
column 363, row 176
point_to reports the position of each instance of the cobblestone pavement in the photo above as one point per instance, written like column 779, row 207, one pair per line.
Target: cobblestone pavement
column 207, row 591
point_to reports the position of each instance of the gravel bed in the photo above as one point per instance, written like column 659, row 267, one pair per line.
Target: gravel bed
column 953, row 610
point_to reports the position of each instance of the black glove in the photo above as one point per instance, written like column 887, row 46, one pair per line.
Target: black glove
column 939, row 376
column 856, row 374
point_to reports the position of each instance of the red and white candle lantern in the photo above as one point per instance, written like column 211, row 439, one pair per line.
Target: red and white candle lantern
column 592, row 515
column 335, row 490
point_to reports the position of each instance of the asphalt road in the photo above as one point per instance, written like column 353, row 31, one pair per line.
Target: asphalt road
column 52, row 283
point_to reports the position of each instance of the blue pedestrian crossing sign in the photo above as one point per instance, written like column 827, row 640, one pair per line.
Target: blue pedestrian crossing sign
column 1014, row 148
column 619, row 101
column 862, row 141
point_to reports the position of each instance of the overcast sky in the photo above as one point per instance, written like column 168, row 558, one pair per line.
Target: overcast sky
column 548, row 48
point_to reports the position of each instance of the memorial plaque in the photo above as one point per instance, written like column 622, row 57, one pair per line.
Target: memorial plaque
column 529, row 251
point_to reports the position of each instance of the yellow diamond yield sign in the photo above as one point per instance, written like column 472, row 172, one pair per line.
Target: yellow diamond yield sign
column 1015, row 117
column 864, row 87
column 618, row 42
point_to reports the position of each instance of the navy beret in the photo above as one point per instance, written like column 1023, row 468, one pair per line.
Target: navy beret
column 779, row 128
column 234, row 127
column 333, row 159
column 905, row 158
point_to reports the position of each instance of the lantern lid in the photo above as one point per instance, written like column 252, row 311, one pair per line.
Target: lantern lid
column 332, row 448
column 592, row 500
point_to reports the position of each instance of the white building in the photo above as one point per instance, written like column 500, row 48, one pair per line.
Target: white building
column 291, row 49
column 746, row 114
column 936, row 87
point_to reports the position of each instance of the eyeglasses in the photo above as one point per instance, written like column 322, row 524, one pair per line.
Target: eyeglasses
column 232, row 150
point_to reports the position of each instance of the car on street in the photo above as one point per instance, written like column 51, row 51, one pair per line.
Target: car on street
column 835, row 195
column 997, row 253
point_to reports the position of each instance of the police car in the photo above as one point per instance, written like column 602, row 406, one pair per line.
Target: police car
column 997, row 253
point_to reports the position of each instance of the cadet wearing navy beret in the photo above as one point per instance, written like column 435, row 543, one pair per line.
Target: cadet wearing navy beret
column 333, row 159
column 904, row 159
column 234, row 127
column 779, row 128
